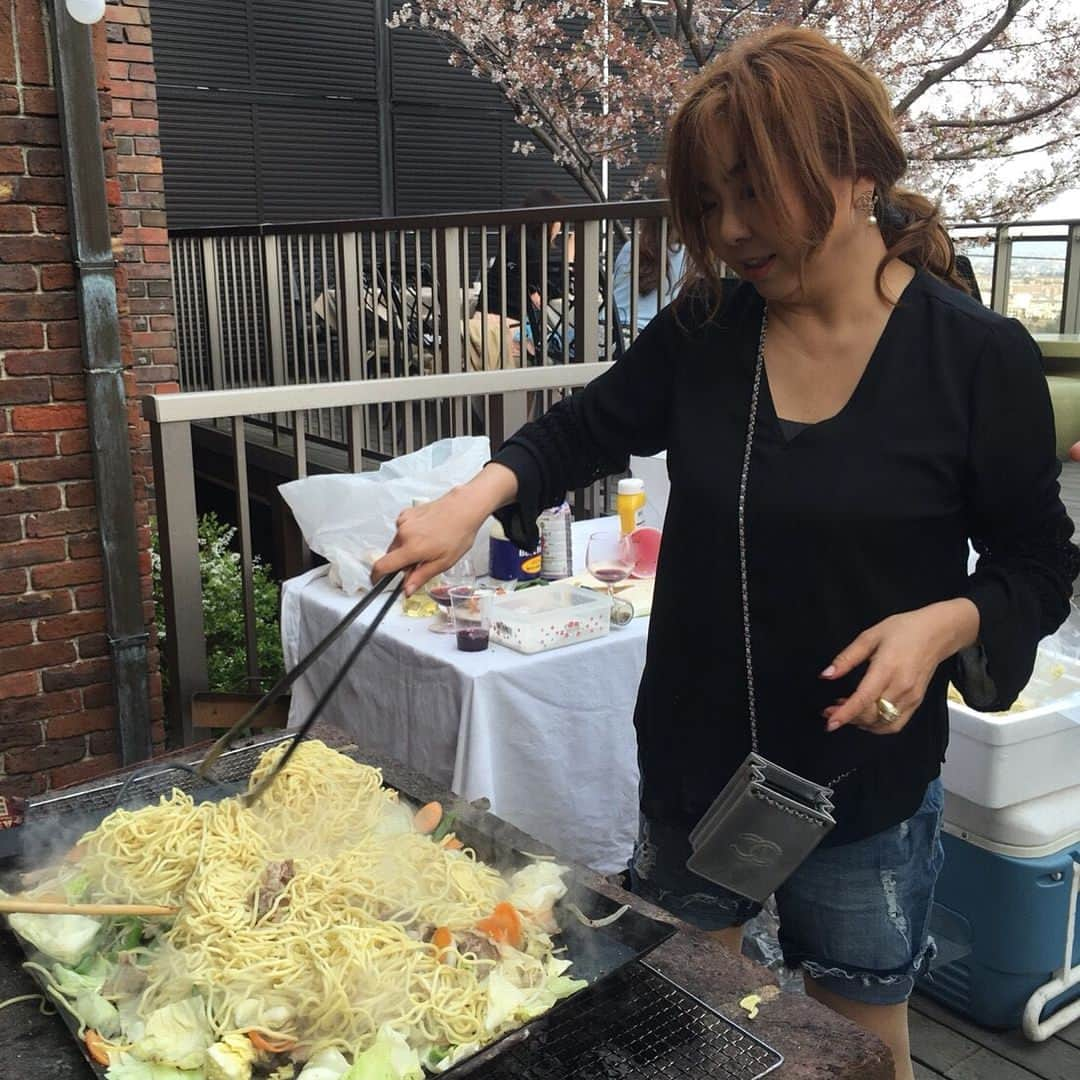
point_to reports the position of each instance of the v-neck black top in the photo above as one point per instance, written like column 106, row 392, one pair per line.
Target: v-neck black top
column 947, row 436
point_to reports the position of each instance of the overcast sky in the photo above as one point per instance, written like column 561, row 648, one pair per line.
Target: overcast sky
column 1066, row 205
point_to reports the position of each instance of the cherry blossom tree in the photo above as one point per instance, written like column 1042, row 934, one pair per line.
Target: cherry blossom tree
column 986, row 92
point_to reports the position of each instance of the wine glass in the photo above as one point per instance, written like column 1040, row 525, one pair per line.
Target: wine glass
column 461, row 575
column 610, row 558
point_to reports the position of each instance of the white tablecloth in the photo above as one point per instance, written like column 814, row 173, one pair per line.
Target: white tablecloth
column 548, row 738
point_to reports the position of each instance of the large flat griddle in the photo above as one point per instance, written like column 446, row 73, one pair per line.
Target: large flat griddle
column 52, row 824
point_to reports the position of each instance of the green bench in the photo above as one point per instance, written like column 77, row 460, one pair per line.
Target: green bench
column 1061, row 357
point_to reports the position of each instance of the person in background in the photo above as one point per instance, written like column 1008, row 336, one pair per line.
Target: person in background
column 650, row 258
column 839, row 424
column 537, row 269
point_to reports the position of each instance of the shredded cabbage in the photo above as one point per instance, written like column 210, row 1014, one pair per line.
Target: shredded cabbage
column 230, row 1059
column 535, row 888
column 67, row 938
column 177, row 1035
column 76, row 888
column 458, row 1053
column 91, row 976
column 508, row 1003
column 325, row 1065
column 127, row 1067
column 97, row 1013
column 390, row 1057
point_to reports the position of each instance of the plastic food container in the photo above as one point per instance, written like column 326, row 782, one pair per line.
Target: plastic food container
column 999, row 759
column 535, row 620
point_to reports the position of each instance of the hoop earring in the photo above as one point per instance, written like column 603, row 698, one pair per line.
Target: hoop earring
column 867, row 202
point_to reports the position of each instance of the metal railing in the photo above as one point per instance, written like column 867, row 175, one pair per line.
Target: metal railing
column 172, row 418
column 381, row 298
column 318, row 302
column 1027, row 269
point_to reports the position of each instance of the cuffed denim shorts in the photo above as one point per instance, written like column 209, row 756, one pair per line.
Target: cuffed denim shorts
column 854, row 917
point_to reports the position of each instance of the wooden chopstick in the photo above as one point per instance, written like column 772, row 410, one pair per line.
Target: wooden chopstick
column 21, row 905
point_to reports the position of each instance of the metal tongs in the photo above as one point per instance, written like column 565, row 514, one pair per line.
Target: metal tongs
column 290, row 677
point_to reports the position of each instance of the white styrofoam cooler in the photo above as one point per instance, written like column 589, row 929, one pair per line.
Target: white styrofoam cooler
column 997, row 760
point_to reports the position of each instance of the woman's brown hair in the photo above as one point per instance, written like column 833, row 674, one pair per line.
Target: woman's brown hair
column 801, row 112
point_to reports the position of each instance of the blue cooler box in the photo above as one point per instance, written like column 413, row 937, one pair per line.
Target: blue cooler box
column 1003, row 905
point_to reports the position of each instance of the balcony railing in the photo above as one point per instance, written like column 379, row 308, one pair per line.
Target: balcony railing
column 1029, row 270
column 404, row 298
column 172, row 417
column 319, row 302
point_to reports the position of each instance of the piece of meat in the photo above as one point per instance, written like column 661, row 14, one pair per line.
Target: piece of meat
column 481, row 947
column 127, row 980
column 274, row 879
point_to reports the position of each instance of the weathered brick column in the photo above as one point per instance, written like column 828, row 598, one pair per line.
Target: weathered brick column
column 56, row 698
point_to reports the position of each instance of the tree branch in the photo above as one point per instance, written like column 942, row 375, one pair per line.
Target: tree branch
column 1009, row 121
column 975, row 153
column 932, row 78
column 682, row 13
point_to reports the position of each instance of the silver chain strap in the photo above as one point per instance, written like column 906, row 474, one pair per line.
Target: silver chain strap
column 751, row 426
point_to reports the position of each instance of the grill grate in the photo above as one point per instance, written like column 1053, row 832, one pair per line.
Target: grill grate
column 636, row 1025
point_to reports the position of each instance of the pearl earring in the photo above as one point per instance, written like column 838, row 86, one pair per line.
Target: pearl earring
column 867, row 202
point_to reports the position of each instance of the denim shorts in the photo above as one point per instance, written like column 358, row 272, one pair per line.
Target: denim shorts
column 854, row 917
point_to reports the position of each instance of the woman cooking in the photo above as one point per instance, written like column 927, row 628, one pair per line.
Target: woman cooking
column 838, row 425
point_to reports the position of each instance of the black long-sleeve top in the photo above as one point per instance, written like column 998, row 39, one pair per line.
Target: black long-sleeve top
column 948, row 436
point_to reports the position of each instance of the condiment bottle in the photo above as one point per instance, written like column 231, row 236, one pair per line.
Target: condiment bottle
column 630, row 505
column 556, row 546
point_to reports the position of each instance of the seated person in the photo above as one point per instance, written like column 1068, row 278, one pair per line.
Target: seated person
column 535, row 273
column 648, row 302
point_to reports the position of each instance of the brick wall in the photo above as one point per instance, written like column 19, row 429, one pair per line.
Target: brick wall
column 56, row 699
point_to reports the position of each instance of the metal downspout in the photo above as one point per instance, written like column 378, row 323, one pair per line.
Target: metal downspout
column 106, row 405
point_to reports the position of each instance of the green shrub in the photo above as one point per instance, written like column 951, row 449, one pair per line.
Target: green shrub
column 223, row 609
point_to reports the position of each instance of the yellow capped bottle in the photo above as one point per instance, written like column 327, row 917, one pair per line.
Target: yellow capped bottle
column 630, row 505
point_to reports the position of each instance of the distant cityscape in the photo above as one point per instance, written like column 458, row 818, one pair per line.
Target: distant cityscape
column 1036, row 281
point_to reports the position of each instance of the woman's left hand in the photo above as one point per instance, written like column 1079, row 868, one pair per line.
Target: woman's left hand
column 904, row 651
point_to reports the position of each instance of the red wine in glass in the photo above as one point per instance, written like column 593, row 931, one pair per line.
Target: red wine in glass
column 609, row 575
column 472, row 639
column 440, row 594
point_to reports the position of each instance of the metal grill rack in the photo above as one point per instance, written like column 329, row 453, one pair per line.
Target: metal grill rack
column 636, row 1025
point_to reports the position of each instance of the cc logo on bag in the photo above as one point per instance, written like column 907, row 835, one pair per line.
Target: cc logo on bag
column 756, row 849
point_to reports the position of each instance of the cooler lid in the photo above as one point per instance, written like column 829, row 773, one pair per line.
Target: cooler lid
column 1031, row 829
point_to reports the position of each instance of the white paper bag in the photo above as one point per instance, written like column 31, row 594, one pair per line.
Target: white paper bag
column 350, row 518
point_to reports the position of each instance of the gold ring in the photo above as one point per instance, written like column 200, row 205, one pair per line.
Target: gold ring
column 887, row 712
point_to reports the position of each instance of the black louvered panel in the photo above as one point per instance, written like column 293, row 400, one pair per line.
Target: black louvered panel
column 201, row 43
column 324, row 48
column 209, row 150
column 318, row 161
column 446, row 161
column 422, row 73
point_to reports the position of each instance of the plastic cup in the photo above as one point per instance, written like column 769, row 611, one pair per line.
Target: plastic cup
column 470, row 610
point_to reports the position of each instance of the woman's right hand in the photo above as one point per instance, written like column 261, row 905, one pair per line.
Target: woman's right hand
column 432, row 537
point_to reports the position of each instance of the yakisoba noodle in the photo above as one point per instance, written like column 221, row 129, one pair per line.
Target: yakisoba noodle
column 342, row 948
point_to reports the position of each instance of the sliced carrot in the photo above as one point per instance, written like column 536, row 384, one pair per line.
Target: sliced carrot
column 442, row 939
column 271, row 1046
column 503, row 924
column 96, row 1046
column 453, row 843
column 76, row 853
column 427, row 818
